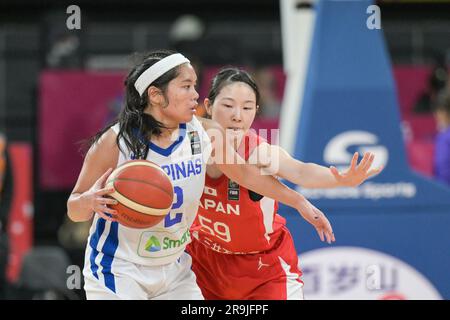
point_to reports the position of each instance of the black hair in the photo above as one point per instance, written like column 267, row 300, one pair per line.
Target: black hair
column 230, row 75
column 137, row 127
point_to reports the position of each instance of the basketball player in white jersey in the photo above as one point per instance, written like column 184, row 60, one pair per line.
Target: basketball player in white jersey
column 157, row 123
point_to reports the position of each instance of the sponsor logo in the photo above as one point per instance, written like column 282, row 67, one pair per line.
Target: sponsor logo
column 233, row 190
column 337, row 153
column 261, row 264
column 196, row 147
column 153, row 244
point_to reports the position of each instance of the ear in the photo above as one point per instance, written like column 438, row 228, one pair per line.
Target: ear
column 208, row 106
column 155, row 95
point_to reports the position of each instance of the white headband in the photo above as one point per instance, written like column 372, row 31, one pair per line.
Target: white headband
column 157, row 70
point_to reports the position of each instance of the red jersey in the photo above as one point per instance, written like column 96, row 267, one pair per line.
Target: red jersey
column 233, row 219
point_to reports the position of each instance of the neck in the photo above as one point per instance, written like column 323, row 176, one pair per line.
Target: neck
column 169, row 125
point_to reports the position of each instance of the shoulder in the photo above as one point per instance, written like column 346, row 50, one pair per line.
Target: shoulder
column 102, row 155
column 105, row 147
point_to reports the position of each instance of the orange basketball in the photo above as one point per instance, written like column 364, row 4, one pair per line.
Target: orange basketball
column 144, row 193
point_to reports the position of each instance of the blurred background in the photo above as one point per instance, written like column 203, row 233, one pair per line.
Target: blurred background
column 59, row 86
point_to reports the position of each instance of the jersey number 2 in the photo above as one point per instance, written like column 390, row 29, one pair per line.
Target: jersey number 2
column 169, row 220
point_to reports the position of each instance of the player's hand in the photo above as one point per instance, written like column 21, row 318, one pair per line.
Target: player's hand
column 357, row 173
column 95, row 199
column 318, row 220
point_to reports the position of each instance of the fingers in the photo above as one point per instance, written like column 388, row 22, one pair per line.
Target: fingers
column 336, row 173
column 106, row 217
column 326, row 228
column 106, row 201
column 366, row 166
column 328, row 237
column 102, row 180
column 328, row 231
column 100, row 208
column 363, row 161
column 375, row 171
column 354, row 161
column 104, row 191
column 321, row 235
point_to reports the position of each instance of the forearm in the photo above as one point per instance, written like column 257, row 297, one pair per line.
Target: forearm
column 310, row 175
column 251, row 178
column 76, row 211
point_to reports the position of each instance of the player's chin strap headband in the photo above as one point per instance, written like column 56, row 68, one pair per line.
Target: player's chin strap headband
column 157, row 70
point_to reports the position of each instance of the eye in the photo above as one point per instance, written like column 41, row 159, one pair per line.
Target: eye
column 227, row 106
column 248, row 108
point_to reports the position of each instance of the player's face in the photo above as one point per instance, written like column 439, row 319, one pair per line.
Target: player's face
column 182, row 95
column 235, row 108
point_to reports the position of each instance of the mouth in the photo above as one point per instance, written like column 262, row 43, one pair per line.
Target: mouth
column 194, row 108
column 235, row 129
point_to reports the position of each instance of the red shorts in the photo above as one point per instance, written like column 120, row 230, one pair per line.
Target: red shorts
column 269, row 275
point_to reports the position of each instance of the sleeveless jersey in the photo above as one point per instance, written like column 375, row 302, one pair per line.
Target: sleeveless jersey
column 232, row 219
column 185, row 163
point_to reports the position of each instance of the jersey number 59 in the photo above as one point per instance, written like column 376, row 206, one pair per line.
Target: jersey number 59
column 217, row 229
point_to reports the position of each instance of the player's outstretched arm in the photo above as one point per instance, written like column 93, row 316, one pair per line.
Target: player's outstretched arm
column 88, row 195
column 233, row 166
column 310, row 175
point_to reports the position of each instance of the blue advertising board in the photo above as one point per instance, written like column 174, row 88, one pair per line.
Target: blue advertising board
column 349, row 105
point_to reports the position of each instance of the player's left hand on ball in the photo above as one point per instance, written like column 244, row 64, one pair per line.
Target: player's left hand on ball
column 357, row 173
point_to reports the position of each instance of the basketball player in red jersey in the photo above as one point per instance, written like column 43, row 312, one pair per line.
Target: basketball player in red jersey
column 241, row 248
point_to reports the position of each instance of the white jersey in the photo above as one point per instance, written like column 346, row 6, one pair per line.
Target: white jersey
column 185, row 163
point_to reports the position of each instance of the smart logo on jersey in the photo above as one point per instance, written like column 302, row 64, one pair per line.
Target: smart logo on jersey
column 169, row 243
column 336, row 151
column 153, row 244
column 162, row 243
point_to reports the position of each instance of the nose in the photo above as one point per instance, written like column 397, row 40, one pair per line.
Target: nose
column 196, row 95
column 237, row 114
